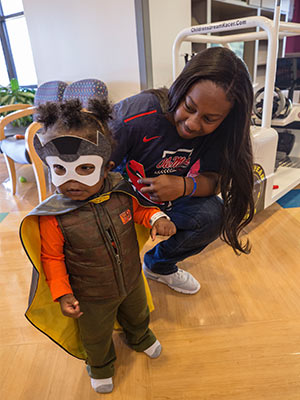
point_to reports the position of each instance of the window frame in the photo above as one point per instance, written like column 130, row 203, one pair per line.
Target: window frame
column 6, row 47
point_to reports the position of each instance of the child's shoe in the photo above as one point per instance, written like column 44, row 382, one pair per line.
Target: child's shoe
column 154, row 350
column 102, row 385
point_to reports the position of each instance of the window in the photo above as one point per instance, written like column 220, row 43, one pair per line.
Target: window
column 16, row 60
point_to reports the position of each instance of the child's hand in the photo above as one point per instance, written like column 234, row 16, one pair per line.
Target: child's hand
column 70, row 306
column 163, row 227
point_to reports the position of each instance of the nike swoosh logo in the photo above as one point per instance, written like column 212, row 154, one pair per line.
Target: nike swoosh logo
column 145, row 139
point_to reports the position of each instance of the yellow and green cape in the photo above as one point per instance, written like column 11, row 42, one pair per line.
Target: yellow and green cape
column 42, row 311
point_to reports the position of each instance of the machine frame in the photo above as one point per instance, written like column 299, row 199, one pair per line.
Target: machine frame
column 271, row 182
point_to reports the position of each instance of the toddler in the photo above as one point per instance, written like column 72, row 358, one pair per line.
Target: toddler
column 89, row 249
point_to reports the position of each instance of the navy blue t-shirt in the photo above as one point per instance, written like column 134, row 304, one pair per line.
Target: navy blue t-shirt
column 144, row 134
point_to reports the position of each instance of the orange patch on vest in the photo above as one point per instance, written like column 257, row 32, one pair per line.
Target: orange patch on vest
column 126, row 216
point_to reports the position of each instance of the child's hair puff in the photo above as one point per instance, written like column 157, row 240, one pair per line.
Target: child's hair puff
column 100, row 108
column 70, row 115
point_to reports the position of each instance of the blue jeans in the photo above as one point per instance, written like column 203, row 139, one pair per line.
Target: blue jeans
column 198, row 221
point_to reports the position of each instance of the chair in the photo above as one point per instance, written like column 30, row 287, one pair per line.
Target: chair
column 85, row 89
column 14, row 149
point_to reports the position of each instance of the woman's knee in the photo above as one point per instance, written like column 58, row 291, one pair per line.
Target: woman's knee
column 208, row 213
column 208, row 220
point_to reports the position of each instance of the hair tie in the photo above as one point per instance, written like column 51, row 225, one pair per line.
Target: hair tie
column 84, row 110
column 184, row 187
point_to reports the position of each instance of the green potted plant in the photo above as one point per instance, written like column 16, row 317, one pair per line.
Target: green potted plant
column 13, row 94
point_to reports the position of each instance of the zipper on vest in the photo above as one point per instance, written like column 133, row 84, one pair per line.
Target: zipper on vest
column 112, row 240
column 114, row 244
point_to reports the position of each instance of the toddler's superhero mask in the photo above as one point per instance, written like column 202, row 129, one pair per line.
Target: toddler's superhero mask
column 66, row 153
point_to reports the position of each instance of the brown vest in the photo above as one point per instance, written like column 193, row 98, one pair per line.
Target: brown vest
column 101, row 248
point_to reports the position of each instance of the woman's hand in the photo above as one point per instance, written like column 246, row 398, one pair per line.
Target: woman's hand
column 163, row 227
column 163, row 188
column 70, row 306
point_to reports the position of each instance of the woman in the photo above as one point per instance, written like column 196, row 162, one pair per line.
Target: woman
column 204, row 117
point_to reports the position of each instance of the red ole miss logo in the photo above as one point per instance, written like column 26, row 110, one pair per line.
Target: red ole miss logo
column 174, row 162
column 179, row 158
column 126, row 216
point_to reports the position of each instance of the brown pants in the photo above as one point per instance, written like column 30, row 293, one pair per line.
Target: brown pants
column 97, row 323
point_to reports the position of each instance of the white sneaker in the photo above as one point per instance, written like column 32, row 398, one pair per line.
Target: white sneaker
column 181, row 281
column 154, row 350
column 102, row 385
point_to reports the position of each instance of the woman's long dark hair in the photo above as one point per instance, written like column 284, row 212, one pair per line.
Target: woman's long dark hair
column 226, row 70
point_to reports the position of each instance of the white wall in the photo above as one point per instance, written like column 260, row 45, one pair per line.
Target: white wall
column 167, row 19
column 77, row 39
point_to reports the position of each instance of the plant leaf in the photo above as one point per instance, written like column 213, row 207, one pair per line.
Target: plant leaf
column 4, row 99
column 14, row 84
column 12, row 100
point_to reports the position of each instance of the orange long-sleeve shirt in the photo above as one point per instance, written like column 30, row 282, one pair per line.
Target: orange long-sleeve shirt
column 52, row 245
